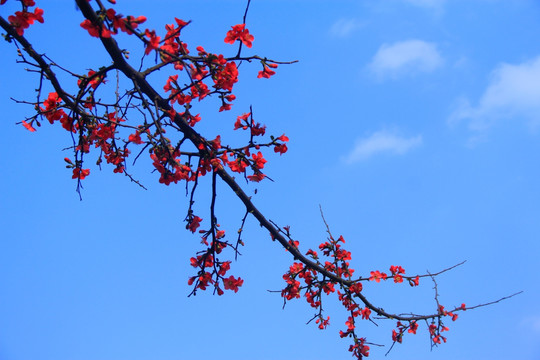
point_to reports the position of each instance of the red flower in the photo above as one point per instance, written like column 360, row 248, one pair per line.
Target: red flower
column 23, row 19
column 94, row 80
column 95, row 30
column 224, row 268
column 238, row 165
column 135, row 138
column 227, row 77
column 397, row 270
column 350, row 324
column 283, row 138
column 365, row 313
column 225, row 107
column 239, row 32
column 377, row 276
column 153, row 43
column 124, row 24
column 281, row 149
column 323, row 323
column 257, row 129
column 356, row 288
column 181, row 23
column 79, row 173
column 266, row 72
column 194, row 224
column 259, row 160
column 232, row 284
column 257, row 177
column 198, row 73
column 193, row 119
column 415, row 281
column 28, row 126
column 413, row 328
column 199, row 90
column 242, row 118
column 328, row 288
column 397, row 337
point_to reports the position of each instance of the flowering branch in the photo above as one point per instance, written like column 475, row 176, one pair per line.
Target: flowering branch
column 181, row 154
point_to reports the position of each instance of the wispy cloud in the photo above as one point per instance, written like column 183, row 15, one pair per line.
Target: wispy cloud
column 382, row 142
column 513, row 92
column 532, row 322
column 344, row 27
column 405, row 57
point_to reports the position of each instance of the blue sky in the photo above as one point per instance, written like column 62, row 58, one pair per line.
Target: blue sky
column 415, row 124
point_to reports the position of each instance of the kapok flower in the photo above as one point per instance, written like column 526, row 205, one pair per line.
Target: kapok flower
column 397, row 336
column 413, row 328
column 365, row 313
column 232, row 284
column 95, row 30
column 256, row 177
column 153, row 43
column 377, row 276
column 239, row 32
column 350, row 324
column 266, row 72
column 258, row 160
column 415, row 281
column 23, row 19
column 194, row 224
column 79, row 173
column 28, row 126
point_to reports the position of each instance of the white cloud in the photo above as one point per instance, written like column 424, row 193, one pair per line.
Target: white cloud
column 513, row 92
column 382, row 142
column 344, row 27
column 405, row 56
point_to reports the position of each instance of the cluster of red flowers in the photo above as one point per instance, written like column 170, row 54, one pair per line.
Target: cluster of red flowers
column 316, row 284
column 397, row 336
column 112, row 23
column 304, row 281
column 22, row 20
column 434, row 328
column 93, row 79
column 165, row 157
column 53, row 112
column 166, row 160
column 239, row 32
column 211, row 270
column 266, row 72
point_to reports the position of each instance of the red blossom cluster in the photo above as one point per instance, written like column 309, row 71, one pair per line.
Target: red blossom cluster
column 266, row 72
column 239, row 32
column 94, row 79
column 53, row 112
column 165, row 157
column 212, row 271
column 22, row 20
column 166, row 160
column 112, row 22
column 336, row 272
